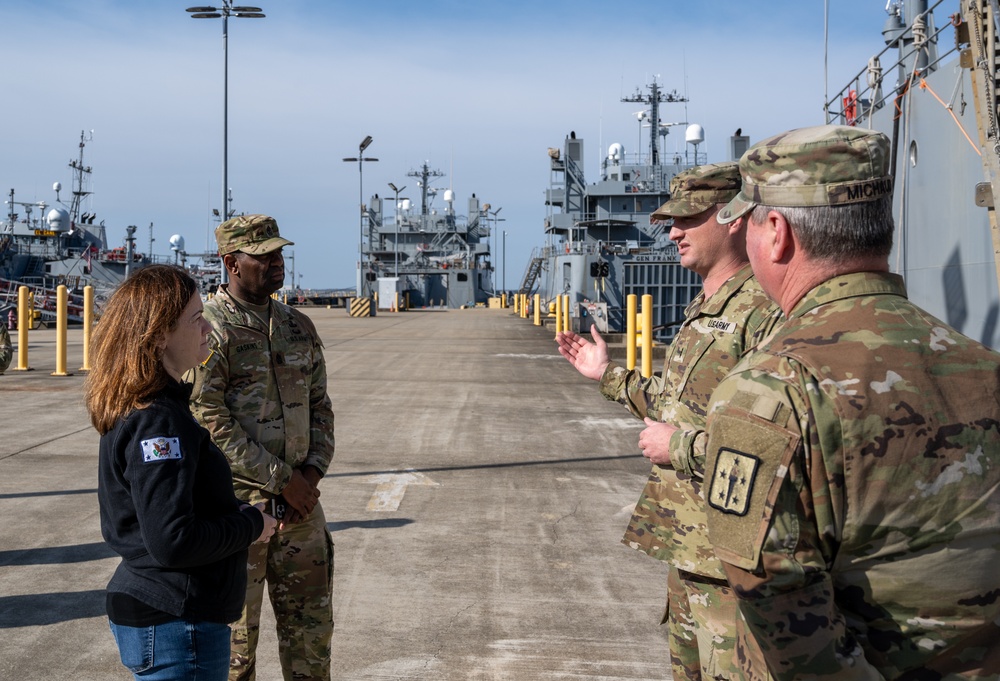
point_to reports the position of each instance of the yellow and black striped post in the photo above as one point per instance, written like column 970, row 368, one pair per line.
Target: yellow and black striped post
column 362, row 307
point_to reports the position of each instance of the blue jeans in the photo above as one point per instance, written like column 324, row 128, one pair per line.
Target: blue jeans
column 175, row 651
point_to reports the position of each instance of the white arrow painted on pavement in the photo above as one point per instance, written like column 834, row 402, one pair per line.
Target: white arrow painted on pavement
column 390, row 488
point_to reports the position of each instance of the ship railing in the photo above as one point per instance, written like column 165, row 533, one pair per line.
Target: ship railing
column 864, row 93
column 45, row 297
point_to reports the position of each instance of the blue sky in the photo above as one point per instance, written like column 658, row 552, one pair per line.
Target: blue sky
column 480, row 90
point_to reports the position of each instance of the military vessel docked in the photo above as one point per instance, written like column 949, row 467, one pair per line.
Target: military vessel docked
column 61, row 245
column 933, row 92
column 429, row 257
column 600, row 245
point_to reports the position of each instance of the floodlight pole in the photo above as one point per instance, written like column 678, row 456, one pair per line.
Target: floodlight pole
column 395, row 243
column 361, row 159
column 205, row 12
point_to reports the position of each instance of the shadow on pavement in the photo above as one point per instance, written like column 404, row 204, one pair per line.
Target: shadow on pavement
column 55, row 555
column 33, row 610
column 368, row 524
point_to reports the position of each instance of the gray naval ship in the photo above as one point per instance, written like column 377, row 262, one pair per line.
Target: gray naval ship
column 44, row 245
column 600, row 245
column 933, row 91
column 430, row 257
column 60, row 244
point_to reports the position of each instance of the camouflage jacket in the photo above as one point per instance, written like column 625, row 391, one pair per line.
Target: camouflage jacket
column 6, row 349
column 669, row 520
column 264, row 440
column 852, row 476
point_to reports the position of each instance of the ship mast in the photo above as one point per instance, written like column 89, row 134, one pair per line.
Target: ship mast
column 655, row 97
column 423, row 175
column 79, row 170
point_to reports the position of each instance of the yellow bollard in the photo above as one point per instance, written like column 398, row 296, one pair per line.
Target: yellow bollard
column 395, row 303
column 630, row 339
column 559, row 315
column 538, row 309
column 647, row 336
column 567, row 326
column 23, row 322
column 88, row 324
column 61, row 322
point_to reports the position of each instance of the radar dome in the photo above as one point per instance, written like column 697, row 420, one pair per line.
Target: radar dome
column 57, row 187
column 176, row 243
column 449, row 196
column 695, row 134
column 405, row 204
column 57, row 219
column 616, row 152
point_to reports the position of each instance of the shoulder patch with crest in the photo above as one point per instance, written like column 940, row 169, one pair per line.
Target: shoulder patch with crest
column 161, row 449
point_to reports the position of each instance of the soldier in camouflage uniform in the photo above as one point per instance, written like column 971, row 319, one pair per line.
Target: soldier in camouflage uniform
column 262, row 395
column 669, row 519
column 854, row 457
column 6, row 349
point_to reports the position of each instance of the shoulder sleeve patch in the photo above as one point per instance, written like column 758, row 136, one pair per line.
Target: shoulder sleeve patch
column 732, row 483
column 747, row 461
column 161, row 449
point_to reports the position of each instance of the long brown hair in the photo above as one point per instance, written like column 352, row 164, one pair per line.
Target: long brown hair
column 125, row 352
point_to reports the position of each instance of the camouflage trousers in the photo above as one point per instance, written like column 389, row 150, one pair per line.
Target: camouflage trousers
column 297, row 564
column 708, row 637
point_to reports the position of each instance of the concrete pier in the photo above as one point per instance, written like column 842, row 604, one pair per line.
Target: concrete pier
column 477, row 499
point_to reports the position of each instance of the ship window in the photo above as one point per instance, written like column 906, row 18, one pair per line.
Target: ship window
column 462, row 276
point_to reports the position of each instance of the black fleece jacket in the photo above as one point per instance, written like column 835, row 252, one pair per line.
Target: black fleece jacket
column 168, row 509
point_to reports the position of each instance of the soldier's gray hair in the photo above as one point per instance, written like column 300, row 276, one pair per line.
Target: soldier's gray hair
column 838, row 233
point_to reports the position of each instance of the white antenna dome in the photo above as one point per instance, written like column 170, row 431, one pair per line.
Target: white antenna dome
column 616, row 152
column 405, row 203
column 57, row 187
column 177, row 242
column 695, row 134
column 57, row 219
column 449, row 196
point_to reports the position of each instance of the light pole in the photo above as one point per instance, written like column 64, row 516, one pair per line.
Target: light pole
column 493, row 214
column 227, row 10
column 505, row 261
column 395, row 243
column 361, row 159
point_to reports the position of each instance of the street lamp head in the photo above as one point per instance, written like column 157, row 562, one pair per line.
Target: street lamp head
column 365, row 142
column 368, row 158
column 351, row 159
column 393, row 187
column 245, row 9
column 202, row 9
column 205, row 15
column 249, row 15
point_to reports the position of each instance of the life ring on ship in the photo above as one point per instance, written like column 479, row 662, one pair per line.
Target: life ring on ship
column 851, row 108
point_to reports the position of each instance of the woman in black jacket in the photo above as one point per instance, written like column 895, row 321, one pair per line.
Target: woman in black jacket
column 165, row 490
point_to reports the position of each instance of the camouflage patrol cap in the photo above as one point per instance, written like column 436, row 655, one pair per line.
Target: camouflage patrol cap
column 696, row 190
column 826, row 165
column 253, row 234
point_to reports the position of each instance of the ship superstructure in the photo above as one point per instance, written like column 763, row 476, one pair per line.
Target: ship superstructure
column 600, row 245
column 429, row 257
column 44, row 245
